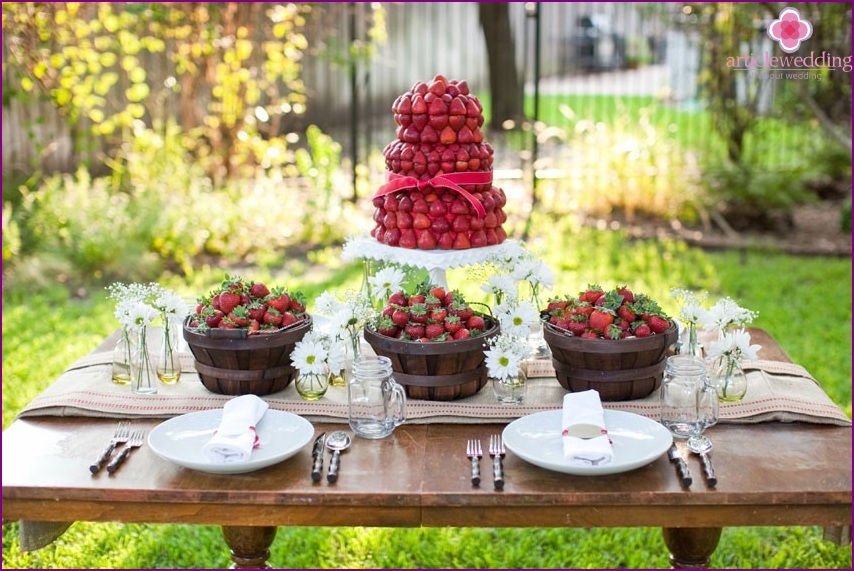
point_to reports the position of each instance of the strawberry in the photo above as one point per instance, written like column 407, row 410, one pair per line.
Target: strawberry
column 592, row 293
column 257, row 310
column 400, row 317
column 461, row 310
column 438, row 292
column 227, row 323
column 627, row 294
column 476, row 322
column 453, row 324
column 589, row 334
column 212, row 316
column 258, row 290
column 278, row 300
column 600, row 319
column 433, row 330
column 298, row 302
column 449, row 298
column 658, row 324
column 273, row 317
column 418, row 313
column 417, row 298
column 228, row 300
column 254, row 325
column 613, row 332
column 387, row 327
column 240, row 316
column 397, row 298
column 462, row 334
column 438, row 314
column 625, row 313
column 641, row 329
column 414, row 330
column 577, row 327
column 432, row 301
column 288, row 318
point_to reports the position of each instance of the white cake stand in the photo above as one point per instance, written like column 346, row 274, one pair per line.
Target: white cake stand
column 436, row 262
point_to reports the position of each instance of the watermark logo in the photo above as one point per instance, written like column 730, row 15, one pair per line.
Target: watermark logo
column 790, row 30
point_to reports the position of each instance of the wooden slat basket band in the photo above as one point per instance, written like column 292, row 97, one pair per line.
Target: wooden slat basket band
column 625, row 369
column 441, row 371
column 246, row 364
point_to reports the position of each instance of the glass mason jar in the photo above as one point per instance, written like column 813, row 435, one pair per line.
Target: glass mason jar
column 142, row 372
column 122, row 358
column 376, row 404
column 312, row 386
column 729, row 379
column 168, row 360
column 689, row 403
column 510, row 390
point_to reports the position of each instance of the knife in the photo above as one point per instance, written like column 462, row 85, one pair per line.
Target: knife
column 317, row 457
column 681, row 466
column 708, row 470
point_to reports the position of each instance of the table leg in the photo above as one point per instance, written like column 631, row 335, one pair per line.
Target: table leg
column 691, row 547
column 250, row 546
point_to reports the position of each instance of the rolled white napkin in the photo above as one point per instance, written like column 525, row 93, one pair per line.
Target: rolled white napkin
column 235, row 438
column 583, row 430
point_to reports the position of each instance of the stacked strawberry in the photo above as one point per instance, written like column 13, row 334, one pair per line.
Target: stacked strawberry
column 615, row 314
column 439, row 134
column 238, row 304
column 430, row 314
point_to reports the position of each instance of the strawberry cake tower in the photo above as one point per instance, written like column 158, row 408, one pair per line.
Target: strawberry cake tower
column 439, row 193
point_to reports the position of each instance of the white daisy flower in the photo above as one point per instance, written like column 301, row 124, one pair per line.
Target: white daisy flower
column 506, row 352
column 336, row 355
column 170, row 303
column 139, row 316
column 503, row 286
column 516, row 318
column 735, row 346
column 309, row 355
column 326, row 303
column 727, row 313
column 387, row 281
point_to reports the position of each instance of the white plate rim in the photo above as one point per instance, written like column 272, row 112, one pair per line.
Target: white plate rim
column 614, row 419
column 272, row 452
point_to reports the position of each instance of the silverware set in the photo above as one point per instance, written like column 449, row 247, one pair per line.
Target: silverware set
column 124, row 437
column 336, row 442
column 474, row 451
column 683, row 470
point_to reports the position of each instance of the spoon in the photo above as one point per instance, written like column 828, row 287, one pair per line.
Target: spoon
column 337, row 441
column 702, row 447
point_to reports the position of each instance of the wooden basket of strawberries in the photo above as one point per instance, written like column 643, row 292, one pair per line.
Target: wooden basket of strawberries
column 242, row 335
column 614, row 342
column 435, row 342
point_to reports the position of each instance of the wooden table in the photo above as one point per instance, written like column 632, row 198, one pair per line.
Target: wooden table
column 769, row 474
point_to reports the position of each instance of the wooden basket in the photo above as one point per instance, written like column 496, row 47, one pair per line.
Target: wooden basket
column 437, row 370
column 230, row 362
column 624, row 369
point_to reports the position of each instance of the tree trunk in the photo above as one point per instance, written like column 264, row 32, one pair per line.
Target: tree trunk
column 504, row 86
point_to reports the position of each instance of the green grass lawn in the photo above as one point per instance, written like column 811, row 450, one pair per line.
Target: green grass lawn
column 805, row 303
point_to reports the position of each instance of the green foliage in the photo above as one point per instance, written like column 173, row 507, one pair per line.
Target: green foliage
column 233, row 69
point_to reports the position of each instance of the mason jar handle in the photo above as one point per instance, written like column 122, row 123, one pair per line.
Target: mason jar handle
column 709, row 404
column 400, row 397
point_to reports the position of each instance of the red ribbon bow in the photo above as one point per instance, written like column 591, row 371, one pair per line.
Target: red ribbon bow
column 451, row 180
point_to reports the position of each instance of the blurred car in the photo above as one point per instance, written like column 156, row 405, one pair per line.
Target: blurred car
column 595, row 44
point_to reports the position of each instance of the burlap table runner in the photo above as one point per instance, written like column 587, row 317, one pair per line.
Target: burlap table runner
column 776, row 392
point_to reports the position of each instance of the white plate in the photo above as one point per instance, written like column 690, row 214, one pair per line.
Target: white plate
column 637, row 441
column 180, row 440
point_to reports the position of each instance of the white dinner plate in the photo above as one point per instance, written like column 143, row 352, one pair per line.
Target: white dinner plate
column 637, row 441
column 180, row 440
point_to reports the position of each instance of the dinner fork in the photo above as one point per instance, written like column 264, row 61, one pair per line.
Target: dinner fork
column 474, row 451
column 134, row 441
column 119, row 437
column 496, row 450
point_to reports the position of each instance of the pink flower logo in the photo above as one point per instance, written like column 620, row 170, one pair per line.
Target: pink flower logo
column 790, row 30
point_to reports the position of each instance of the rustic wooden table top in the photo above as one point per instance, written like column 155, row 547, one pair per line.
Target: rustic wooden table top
column 769, row 474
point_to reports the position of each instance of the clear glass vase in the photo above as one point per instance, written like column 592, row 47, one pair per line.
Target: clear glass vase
column 168, row 360
column 729, row 380
column 510, row 390
column 312, row 386
column 122, row 357
column 693, row 347
column 142, row 371
column 539, row 347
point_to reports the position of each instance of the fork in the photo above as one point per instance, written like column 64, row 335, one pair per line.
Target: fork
column 134, row 441
column 496, row 450
column 474, row 451
column 119, row 437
